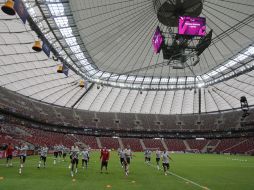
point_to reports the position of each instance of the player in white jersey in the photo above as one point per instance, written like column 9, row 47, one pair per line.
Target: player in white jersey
column 60, row 151
column 55, row 153
column 127, row 160
column 43, row 155
column 121, row 154
column 74, row 159
column 148, row 154
column 22, row 155
column 65, row 150
column 128, row 154
column 158, row 157
column 85, row 157
column 165, row 161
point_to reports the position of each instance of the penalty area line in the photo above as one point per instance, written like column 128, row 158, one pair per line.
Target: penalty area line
column 183, row 178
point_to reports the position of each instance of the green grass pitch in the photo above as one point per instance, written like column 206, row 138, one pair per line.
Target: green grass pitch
column 190, row 172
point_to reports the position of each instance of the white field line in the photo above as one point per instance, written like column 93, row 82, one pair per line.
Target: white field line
column 185, row 179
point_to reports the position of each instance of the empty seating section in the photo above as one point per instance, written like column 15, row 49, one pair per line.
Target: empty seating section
column 88, row 140
column 126, row 120
column 67, row 116
column 175, row 144
column 106, row 120
column 86, row 118
column 15, row 103
column 245, row 146
column 40, row 138
column 133, row 143
column 109, row 142
column 188, row 121
column 168, row 122
column 197, row 144
column 11, row 133
column 46, row 113
column 213, row 142
column 227, row 143
column 208, row 122
column 153, row 143
column 232, row 119
column 6, row 139
column 147, row 121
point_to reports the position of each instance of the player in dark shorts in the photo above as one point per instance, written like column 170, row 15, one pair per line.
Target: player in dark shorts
column 60, row 151
column 128, row 154
column 121, row 154
column 74, row 159
column 85, row 158
column 22, row 155
column 127, row 160
column 165, row 161
column 43, row 156
column 65, row 150
column 9, row 152
column 104, row 159
column 55, row 153
column 126, row 166
column 158, row 157
column 147, row 156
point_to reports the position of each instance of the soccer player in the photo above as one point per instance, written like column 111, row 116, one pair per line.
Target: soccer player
column 43, row 156
column 148, row 154
column 165, row 161
column 74, row 159
column 128, row 154
column 85, row 157
column 9, row 152
column 60, row 151
column 55, row 153
column 22, row 155
column 158, row 157
column 65, row 150
column 72, row 147
column 121, row 154
column 127, row 160
column 104, row 158
column 125, row 164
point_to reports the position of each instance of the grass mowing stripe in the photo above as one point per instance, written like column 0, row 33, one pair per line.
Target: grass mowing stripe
column 185, row 179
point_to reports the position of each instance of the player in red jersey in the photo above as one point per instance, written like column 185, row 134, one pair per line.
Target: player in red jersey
column 9, row 152
column 104, row 158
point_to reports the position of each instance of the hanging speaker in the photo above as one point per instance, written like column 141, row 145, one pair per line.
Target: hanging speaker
column 81, row 83
column 8, row 7
column 37, row 46
column 60, row 68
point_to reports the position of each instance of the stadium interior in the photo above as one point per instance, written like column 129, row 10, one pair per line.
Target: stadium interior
column 119, row 73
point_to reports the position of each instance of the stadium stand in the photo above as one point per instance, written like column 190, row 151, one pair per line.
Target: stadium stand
column 226, row 144
column 175, row 144
column 106, row 120
column 109, row 142
column 153, row 143
column 12, row 133
column 133, row 143
column 188, row 121
column 197, row 144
